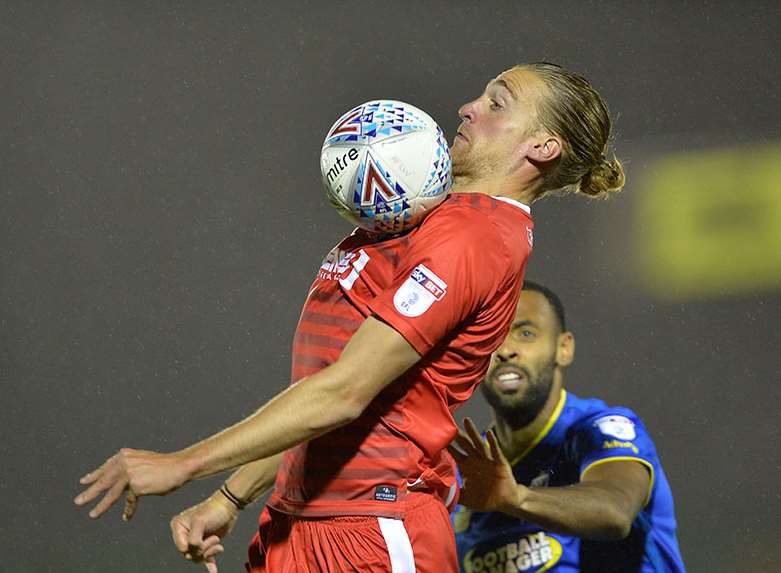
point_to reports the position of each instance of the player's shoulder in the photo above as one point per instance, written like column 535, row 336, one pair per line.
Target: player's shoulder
column 458, row 204
column 593, row 413
column 481, row 220
column 357, row 238
column 457, row 219
column 614, row 431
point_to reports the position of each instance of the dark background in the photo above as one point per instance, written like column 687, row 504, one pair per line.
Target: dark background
column 162, row 218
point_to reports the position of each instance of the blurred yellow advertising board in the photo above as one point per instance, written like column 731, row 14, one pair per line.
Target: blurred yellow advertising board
column 708, row 223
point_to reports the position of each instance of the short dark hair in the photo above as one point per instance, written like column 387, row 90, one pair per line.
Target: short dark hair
column 552, row 298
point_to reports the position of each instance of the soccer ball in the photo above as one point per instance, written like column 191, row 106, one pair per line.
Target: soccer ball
column 385, row 164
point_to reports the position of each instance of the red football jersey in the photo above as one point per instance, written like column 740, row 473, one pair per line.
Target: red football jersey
column 450, row 287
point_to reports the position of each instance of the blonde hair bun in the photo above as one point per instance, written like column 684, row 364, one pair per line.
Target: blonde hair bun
column 606, row 178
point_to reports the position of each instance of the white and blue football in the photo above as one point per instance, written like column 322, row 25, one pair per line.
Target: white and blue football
column 385, row 165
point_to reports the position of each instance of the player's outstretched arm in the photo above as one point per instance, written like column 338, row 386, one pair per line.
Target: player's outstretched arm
column 374, row 357
column 602, row 506
column 198, row 531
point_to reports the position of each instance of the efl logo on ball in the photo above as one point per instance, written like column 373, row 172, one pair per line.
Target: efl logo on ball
column 385, row 164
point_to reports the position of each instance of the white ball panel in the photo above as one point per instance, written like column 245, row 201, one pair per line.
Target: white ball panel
column 409, row 172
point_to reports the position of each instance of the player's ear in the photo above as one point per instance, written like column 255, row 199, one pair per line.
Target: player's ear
column 565, row 349
column 545, row 149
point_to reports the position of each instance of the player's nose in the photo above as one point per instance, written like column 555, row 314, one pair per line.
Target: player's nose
column 467, row 111
column 505, row 354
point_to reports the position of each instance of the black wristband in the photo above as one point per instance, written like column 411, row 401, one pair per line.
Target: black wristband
column 240, row 504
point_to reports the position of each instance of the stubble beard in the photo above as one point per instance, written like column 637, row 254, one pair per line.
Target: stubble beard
column 472, row 165
column 460, row 163
column 519, row 414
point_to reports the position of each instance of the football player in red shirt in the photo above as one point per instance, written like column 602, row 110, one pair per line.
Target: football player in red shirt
column 394, row 336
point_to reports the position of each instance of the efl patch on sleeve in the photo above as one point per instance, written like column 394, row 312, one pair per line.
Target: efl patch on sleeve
column 422, row 289
column 617, row 426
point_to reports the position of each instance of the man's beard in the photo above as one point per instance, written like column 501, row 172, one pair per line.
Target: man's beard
column 460, row 164
column 472, row 164
column 522, row 413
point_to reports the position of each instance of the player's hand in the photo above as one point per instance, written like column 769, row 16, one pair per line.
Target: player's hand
column 488, row 481
column 197, row 531
column 138, row 472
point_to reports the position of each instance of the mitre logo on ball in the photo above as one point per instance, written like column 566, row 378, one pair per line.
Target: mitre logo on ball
column 385, row 164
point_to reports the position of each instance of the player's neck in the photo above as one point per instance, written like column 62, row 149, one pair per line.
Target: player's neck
column 496, row 187
column 515, row 442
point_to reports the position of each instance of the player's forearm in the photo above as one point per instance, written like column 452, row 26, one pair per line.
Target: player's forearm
column 586, row 510
column 306, row 410
column 331, row 398
column 254, row 479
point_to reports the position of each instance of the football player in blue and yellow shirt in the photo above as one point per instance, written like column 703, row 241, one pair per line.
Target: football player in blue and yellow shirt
column 558, row 483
